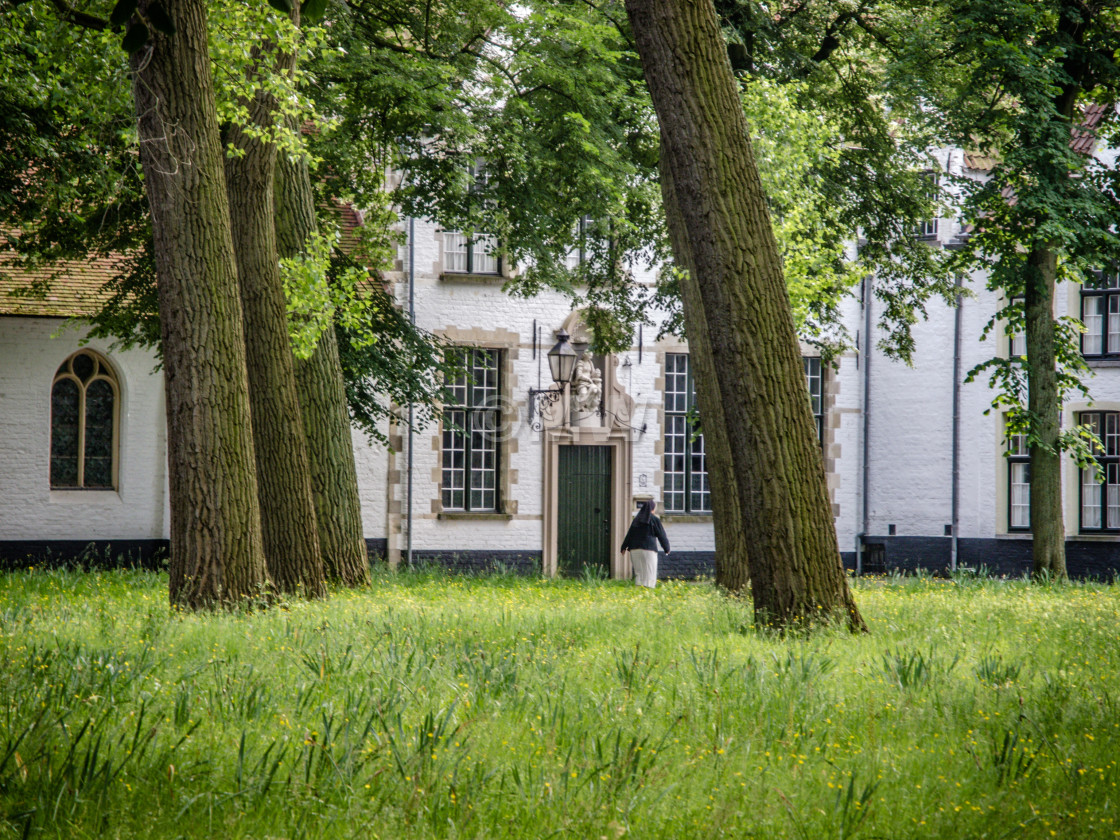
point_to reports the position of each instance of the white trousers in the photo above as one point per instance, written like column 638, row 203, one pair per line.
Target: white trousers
column 645, row 567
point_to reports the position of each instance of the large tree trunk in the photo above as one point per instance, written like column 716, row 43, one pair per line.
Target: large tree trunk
column 1044, row 399
column 726, row 241
column 732, row 572
column 322, row 398
column 1044, row 404
column 216, row 545
column 291, row 541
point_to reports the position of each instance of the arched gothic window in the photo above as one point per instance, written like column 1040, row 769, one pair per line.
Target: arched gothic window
column 84, row 399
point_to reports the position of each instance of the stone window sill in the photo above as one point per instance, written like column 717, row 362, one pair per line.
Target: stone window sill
column 471, row 515
column 463, row 277
column 85, row 494
column 686, row 517
column 1095, row 362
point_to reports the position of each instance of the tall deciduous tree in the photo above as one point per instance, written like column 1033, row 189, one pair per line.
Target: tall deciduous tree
column 322, row 400
column 723, row 236
column 216, row 546
column 288, row 519
column 1014, row 78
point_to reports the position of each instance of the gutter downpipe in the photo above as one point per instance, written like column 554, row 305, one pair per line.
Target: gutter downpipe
column 411, row 409
column 956, row 500
column 865, row 491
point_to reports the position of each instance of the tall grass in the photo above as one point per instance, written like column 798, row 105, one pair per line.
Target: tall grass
column 429, row 706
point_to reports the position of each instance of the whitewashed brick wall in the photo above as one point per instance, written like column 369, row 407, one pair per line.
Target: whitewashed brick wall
column 472, row 305
column 30, row 354
column 909, row 447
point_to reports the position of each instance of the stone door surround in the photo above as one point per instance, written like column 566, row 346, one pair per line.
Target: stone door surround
column 621, row 487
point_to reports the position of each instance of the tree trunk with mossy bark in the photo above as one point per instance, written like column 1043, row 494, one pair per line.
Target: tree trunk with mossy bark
column 1044, row 404
column 217, row 555
column 288, row 521
column 732, row 571
column 322, row 399
column 755, row 377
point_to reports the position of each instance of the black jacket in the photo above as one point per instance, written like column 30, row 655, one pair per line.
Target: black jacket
column 646, row 535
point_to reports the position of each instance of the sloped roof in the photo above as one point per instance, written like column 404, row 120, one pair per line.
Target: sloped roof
column 73, row 288
column 979, row 162
column 65, row 289
column 1083, row 137
column 349, row 220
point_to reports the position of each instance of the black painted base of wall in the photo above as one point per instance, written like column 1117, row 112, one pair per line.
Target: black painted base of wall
column 108, row 554
column 882, row 554
column 377, row 549
column 83, row 554
column 1007, row 557
column 686, row 565
column 479, row 562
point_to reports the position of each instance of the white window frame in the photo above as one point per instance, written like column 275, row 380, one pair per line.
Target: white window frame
column 476, row 254
column 1100, row 313
column 1018, row 483
column 1099, row 503
column 470, row 449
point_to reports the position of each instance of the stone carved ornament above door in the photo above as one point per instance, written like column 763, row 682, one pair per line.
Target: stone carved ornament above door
column 598, row 398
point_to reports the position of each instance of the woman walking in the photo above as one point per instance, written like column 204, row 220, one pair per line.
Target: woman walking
column 641, row 541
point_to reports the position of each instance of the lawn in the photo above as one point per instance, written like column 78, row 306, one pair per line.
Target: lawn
column 433, row 706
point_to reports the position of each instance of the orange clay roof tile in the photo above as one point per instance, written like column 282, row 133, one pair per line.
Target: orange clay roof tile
column 64, row 289
column 74, row 288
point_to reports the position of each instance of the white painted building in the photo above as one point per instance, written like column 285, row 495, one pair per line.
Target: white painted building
column 916, row 469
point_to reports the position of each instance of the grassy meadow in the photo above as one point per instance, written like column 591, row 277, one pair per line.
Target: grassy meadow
column 457, row 707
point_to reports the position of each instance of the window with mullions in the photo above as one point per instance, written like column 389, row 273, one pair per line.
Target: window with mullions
column 687, row 489
column 471, row 421
column 815, row 382
column 686, row 470
column 1017, row 340
column 1100, row 313
column 1100, row 501
column 83, row 424
column 476, row 254
column 1018, row 483
column 927, row 228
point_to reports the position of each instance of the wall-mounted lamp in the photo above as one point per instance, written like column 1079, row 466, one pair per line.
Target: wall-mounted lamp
column 562, row 360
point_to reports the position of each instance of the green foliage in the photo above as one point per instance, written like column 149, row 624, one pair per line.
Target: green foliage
column 838, row 63
column 1013, row 82
column 435, row 706
column 388, row 363
column 515, row 125
column 312, row 11
column 1008, row 377
column 70, row 181
column 318, row 296
column 237, row 31
column 793, row 147
column 72, row 188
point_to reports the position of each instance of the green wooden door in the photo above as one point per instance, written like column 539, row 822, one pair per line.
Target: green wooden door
column 584, row 527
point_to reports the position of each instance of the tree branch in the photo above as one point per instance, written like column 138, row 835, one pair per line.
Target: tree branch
column 82, row 19
column 623, row 31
